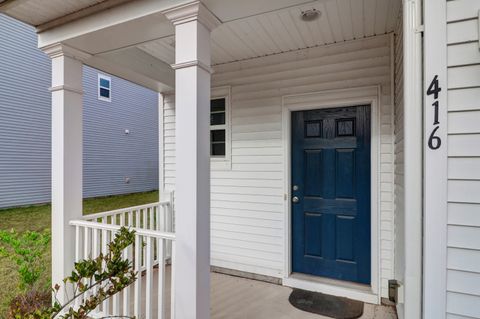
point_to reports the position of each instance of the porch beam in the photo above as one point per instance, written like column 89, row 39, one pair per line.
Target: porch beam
column 193, row 24
column 66, row 156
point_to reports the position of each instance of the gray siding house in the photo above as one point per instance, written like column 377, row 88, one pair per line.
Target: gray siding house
column 120, row 133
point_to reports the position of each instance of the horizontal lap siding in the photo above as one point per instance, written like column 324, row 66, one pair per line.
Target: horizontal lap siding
column 25, row 114
column 463, row 232
column 110, row 155
column 257, row 147
column 248, row 205
column 169, row 142
column 25, row 127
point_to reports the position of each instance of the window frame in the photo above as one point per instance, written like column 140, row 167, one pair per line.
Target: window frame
column 222, row 162
column 109, row 79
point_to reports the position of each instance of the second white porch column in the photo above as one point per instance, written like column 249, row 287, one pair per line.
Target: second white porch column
column 66, row 157
column 193, row 23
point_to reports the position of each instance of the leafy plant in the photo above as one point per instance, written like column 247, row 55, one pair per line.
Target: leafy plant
column 26, row 251
column 92, row 281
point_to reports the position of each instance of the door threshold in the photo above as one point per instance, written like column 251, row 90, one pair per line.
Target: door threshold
column 333, row 287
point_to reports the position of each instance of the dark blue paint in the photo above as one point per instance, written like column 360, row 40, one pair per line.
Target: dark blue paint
column 331, row 166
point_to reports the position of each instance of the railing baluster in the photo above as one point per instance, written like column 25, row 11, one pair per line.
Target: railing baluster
column 130, row 218
column 149, row 278
column 95, row 254
column 86, row 255
column 150, row 214
column 104, row 249
column 144, row 216
column 145, row 226
column 78, row 251
column 116, row 297
column 157, row 227
column 126, row 293
column 161, row 278
column 168, row 226
column 137, row 218
column 172, row 283
column 138, row 283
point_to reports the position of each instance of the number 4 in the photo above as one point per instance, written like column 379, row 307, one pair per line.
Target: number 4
column 434, row 88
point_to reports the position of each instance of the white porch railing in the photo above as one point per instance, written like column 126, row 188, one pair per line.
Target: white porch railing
column 154, row 246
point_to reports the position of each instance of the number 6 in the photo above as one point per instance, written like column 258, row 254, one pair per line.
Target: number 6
column 433, row 138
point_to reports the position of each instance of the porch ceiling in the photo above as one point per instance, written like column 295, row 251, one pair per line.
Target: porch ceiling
column 134, row 40
column 282, row 30
column 39, row 12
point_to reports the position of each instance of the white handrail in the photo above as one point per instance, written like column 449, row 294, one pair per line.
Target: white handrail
column 121, row 210
column 138, row 231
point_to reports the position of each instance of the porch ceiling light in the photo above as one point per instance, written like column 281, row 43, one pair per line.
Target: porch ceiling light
column 310, row 15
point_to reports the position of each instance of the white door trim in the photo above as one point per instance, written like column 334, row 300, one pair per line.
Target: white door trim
column 328, row 99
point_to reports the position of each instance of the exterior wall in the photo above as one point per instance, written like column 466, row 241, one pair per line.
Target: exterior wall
column 25, row 127
column 399, row 264
column 169, row 142
column 25, row 115
column 110, row 155
column 248, row 215
column 463, row 231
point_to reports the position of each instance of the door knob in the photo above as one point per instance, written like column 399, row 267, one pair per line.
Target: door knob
column 295, row 199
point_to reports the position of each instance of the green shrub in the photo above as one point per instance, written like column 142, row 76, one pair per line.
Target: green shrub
column 108, row 273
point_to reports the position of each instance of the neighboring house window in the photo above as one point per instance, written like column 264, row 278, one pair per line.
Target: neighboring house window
column 220, row 125
column 104, row 88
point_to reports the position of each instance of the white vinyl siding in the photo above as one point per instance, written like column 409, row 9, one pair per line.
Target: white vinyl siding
column 248, row 215
column 110, row 155
column 168, row 148
column 463, row 261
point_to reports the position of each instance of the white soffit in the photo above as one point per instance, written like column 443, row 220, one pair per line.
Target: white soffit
column 37, row 12
column 283, row 30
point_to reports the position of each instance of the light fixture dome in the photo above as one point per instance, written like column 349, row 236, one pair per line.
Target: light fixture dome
column 310, row 15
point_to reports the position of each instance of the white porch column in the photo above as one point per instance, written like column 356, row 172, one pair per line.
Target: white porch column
column 193, row 23
column 66, row 156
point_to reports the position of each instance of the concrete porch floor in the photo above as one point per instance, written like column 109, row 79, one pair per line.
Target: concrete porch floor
column 240, row 298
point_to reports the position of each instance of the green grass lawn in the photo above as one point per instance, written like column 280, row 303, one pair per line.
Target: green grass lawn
column 38, row 218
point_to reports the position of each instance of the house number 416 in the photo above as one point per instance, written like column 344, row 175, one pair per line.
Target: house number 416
column 434, row 142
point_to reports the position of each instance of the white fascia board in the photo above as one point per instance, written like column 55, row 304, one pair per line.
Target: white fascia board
column 104, row 19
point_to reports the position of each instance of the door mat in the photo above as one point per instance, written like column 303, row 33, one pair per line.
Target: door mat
column 326, row 305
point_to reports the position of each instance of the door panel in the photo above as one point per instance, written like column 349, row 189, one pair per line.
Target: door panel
column 331, row 172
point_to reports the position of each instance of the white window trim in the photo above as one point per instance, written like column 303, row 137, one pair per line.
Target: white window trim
column 223, row 163
column 109, row 79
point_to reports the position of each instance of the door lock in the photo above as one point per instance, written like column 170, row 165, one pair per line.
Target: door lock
column 295, row 199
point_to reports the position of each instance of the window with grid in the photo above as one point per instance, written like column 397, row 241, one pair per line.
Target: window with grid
column 218, row 127
column 104, row 88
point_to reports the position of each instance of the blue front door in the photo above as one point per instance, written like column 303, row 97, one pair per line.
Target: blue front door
column 331, row 193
